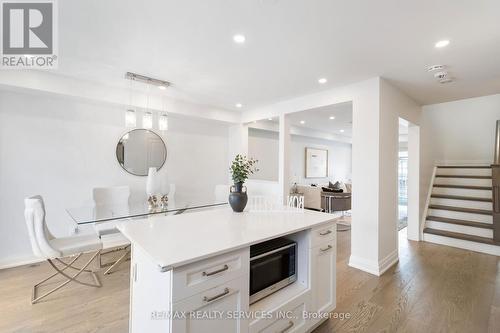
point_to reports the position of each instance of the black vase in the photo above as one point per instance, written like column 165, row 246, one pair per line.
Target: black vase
column 238, row 197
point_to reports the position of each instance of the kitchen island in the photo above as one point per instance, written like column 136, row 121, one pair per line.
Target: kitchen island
column 190, row 272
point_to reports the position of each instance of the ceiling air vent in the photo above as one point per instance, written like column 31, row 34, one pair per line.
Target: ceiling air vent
column 435, row 68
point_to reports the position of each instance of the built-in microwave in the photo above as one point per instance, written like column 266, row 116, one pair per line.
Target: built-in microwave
column 273, row 265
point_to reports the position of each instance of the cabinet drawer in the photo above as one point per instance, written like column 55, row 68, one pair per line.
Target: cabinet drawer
column 323, row 233
column 291, row 321
column 194, row 278
column 213, row 310
column 288, row 318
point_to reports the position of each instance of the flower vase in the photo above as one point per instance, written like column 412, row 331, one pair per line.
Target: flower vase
column 238, row 197
column 152, row 183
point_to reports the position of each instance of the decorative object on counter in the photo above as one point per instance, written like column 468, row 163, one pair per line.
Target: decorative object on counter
column 152, row 183
column 152, row 202
column 241, row 168
column 153, row 188
column 164, row 200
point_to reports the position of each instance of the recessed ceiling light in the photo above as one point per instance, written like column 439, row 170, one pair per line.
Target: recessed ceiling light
column 255, row 121
column 302, row 122
column 240, row 39
column 269, row 118
column 162, row 87
column 238, row 105
column 322, row 80
column 442, row 43
column 332, row 117
column 342, row 131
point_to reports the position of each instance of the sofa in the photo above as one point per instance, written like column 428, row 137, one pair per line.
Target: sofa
column 317, row 199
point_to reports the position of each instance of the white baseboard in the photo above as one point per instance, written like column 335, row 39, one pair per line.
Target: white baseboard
column 388, row 261
column 463, row 244
column 4, row 264
column 374, row 267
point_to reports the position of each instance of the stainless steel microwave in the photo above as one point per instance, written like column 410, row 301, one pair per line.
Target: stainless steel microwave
column 273, row 265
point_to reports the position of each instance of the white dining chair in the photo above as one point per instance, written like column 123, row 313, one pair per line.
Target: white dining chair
column 116, row 197
column 46, row 246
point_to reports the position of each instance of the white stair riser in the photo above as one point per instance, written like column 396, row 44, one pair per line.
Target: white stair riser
column 464, row 172
column 463, row 181
column 462, row 203
column 463, row 229
column 461, row 216
column 463, row 244
column 462, row 192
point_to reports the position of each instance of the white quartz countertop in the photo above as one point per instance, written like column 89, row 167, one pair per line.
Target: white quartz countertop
column 173, row 241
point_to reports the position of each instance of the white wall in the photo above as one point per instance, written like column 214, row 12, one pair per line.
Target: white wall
column 61, row 149
column 264, row 145
column 462, row 130
column 339, row 160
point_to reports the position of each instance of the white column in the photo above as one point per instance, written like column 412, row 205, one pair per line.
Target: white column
column 413, row 231
column 284, row 156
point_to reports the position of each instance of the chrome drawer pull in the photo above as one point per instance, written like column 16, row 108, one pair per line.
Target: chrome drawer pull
column 225, row 268
column 290, row 325
column 210, row 299
column 329, row 247
column 325, row 233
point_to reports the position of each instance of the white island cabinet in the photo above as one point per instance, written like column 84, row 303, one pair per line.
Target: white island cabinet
column 190, row 273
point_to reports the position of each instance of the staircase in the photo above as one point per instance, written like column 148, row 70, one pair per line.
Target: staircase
column 460, row 210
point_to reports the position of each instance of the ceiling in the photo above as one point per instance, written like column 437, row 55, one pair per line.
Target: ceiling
column 290, row 44
column 318, row 119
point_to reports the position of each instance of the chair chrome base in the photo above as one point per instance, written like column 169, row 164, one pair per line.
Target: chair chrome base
column 112, row 265
column 35, row 298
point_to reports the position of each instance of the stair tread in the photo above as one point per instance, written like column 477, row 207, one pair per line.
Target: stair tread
column 459, row 235
column 464, row 166
column 463, row 176
column 466, row 187
column 462, row 209
column 460, row 222
column 459, row 197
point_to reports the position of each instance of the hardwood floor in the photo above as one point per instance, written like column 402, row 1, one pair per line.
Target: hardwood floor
column 433, row 288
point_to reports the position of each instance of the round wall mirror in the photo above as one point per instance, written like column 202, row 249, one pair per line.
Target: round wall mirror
column 139, row 150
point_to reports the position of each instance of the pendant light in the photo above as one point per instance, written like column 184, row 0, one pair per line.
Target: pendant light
column 163, row 119
column 147, row 118
column 130, row 116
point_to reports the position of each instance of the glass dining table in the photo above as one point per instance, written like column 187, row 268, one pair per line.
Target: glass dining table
column 93, row 214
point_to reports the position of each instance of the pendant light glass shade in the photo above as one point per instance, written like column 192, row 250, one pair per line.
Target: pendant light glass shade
column 130, row 118
column 147, row 120
column 163, row 122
